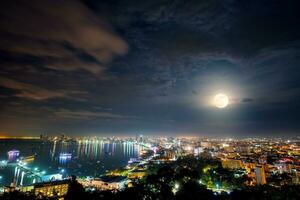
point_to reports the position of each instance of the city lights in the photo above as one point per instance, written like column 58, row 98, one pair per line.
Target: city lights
column 222, row 165
column 150, row 100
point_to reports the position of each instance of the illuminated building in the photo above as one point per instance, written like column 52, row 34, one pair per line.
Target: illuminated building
column 260, row 175
column 136, row 174
column 250, row 167
column 109, row 183
column 262, row 160
column 50, row 189
column 198, row 151
column 169, row 154
column 12, row 155
column 296, row 177
column 232, row 164
column 206, row 145
column 8, row 189
column 64, row 157
column 284, row 165
column 246, row 149
column 229, row 149
column 27, row 189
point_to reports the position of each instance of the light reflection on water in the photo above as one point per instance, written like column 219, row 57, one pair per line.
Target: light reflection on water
column 88, row 158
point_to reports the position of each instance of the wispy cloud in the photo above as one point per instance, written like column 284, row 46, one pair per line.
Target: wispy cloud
column 85, row 114
column 34, row 92
column 61, row 33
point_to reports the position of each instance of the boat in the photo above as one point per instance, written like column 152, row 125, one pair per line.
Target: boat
column 27, row 159
column 134, row 160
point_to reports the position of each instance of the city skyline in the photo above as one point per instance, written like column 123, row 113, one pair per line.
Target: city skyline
column 92, row 68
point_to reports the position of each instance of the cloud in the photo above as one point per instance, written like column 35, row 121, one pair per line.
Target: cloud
column 58, row 32
column 34, row 92
column 73, row 63
column 247, row 100
column 85, row 114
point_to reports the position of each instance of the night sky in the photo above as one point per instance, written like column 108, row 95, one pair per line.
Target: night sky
column 119, row 67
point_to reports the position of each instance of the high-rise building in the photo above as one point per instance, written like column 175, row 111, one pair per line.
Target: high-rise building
column 139, row 138
column 260, row 175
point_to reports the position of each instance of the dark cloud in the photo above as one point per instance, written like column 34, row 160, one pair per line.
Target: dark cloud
column 28, row 91
column 85, row 114
column 42, row 29
column 36, row 92
column 247, row 100
column 158, row 60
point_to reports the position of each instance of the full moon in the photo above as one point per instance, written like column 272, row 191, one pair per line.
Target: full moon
column 221, row 101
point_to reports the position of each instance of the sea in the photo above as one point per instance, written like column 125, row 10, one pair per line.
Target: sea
column 81, row 158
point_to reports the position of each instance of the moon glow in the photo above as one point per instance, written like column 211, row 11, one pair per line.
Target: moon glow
column 221, row 101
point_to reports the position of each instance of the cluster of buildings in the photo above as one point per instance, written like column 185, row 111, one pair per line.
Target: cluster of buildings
column 263, row 161
column 57, row 188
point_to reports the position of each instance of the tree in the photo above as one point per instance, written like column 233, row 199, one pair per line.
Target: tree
column 75, row 191
column 193, row 190
column 16, row 195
